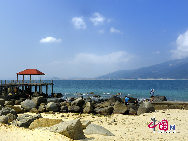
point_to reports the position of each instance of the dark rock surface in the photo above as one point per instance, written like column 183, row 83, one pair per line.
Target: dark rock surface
column 159, row 98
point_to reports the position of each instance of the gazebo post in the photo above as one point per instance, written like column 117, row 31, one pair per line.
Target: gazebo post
column 36, row 88
column 30, row 78
column 46, row 89
column 17, row 78
column 52, row 89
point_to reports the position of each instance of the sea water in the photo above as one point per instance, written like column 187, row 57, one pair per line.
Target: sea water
column 176, row 90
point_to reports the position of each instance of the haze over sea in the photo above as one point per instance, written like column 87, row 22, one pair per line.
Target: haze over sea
column 175, row 90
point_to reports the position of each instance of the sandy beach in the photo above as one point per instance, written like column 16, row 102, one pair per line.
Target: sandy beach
column 124, row 127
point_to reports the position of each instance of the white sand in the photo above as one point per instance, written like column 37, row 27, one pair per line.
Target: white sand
column 125, row 127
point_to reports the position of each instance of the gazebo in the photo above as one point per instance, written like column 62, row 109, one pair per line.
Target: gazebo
column 29, row 72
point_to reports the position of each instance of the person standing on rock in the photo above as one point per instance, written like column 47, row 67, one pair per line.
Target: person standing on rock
column 126, row 100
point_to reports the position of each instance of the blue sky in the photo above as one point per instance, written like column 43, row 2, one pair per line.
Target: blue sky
column 88, row 38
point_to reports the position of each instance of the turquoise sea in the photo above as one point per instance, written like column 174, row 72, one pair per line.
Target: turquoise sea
column 176, row 90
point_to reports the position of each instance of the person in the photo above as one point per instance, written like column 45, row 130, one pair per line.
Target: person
column 126, row 100
column 152, row 92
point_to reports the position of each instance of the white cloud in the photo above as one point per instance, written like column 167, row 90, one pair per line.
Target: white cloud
column 79, row 23
column 114, row 30
column 50, row 40
column 91, row 65
column 181, row 50
column 97, row 19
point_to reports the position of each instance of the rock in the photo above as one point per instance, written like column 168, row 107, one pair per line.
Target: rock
column 89, row 108
column 7, row 110
column 132, row 109
column 104, row 111
column 132, row 100
column 42, row 108
column 74, row 109
column 78, row 102
column 44, row 122
column 39, row 100
column 71, row 129
column 55, row 107
column 9, row 113
column 3, row 119
column 25, row 120
column 2, row 102
column 145, row 107
column 96, row 129
column 85, row 123
column 28, row 104
column 11, row 117
column 64, row 109
column 120, row 108
column 159, row 98
column 34, row 110
column 55, row 100
column 58, row 95
column 17, row 108
column 115, row 98
column 9, row 103
column 18, row 102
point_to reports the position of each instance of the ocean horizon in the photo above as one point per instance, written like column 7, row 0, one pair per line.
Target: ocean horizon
column 174, row 90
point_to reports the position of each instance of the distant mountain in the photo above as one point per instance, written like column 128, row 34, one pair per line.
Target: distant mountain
column 175, row 69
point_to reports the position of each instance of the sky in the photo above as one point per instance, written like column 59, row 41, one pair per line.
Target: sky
column 88, row 38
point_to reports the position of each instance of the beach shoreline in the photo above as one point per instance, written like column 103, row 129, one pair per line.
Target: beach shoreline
column 124, row 127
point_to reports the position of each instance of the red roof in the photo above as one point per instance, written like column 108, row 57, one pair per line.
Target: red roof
column 31, row 72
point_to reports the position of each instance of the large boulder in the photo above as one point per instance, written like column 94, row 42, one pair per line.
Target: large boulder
column 96, row 129
column 39, row 100
column 9, row 113
column 25, row 120
column 4, row 119
column 17, row 108
column 74, row 109
column 78, row 102
column 42, row 108
column 28, row 104
column 132, row 108
column 72, row 129
column 145, row 107
column 159, row 98
column 55, row 100
column 9, row 102
column 85, row 123
column 64, row 109
column 52, row 106
column 2, row 101
column 104, row 111
column 7, row 110
column 44, row 122
column 120, row 108
column 89, row 108
column 114, row 99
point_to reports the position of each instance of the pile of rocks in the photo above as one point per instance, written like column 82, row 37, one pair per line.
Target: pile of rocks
column 113, row 105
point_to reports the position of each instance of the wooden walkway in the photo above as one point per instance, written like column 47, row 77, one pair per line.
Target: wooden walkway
column 27, row 84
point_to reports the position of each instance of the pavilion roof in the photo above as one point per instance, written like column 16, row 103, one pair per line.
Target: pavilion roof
column 30, row 72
